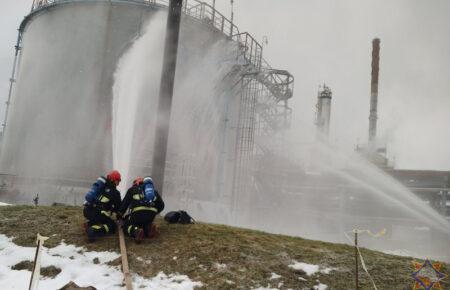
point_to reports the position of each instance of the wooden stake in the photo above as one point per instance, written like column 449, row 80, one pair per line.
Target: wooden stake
column 356, row 261
column 31, row 286
column 123, row 252
column 36, row 272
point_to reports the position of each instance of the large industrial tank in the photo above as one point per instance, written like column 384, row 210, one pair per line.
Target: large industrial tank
column 59, row 129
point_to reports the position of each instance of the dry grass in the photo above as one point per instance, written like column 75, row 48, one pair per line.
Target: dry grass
column 220, row 257
column 49, row 272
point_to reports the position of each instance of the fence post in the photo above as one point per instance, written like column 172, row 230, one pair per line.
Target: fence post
column 356, row 261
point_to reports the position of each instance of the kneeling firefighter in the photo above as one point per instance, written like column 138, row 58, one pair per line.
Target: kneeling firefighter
column 141, row 204
column 101, row 202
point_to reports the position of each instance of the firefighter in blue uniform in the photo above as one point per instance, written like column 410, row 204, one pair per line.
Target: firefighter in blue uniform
column 139, row 208
column 101, row 202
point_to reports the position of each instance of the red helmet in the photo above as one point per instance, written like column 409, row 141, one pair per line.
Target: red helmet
column 138, row 180
column 114, row 176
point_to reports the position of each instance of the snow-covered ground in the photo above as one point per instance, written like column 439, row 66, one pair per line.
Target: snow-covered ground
column 3, row 204
column 77, row 265
column 91, row 269
column 311, row 269
column 320, row 287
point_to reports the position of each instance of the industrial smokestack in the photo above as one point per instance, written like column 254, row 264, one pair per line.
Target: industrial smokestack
column 374, row 90
column 323, row 110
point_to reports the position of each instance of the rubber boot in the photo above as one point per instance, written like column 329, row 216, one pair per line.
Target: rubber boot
column 90, row 234
column 85, row 227
column 152, row 231
column 138, row 235
column 96, row 231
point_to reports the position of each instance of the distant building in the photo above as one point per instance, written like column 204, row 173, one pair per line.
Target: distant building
column 431, row 186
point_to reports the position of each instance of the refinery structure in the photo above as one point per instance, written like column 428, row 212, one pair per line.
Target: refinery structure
column 228, row 159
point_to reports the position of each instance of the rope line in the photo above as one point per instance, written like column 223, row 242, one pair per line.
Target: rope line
column 363, row 264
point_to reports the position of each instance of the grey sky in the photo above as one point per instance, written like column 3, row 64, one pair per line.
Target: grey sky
column 330, row 41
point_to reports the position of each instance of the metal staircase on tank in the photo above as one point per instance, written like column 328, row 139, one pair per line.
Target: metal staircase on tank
column 264, row 111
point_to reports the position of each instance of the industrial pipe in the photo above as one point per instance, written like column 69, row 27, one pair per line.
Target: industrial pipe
column 166, row 93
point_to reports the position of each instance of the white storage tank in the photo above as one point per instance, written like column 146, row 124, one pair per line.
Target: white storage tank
column 59, row 126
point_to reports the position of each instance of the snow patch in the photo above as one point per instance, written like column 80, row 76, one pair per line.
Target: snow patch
column 311, row 269
column 220, row 267
column 327, row 270
column 147, row 262
column 77, row 265
column 4, row 204
column 275, row 276
column 320, row 287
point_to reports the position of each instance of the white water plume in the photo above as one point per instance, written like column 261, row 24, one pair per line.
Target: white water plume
column 197, row 109
column 310, row 189
column 136, row 79
column 340, row 191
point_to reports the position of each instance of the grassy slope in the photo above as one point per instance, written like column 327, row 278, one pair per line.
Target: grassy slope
column 250, row 256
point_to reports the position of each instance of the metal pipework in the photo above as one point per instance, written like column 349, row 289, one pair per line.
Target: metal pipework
column 166, row 92
column 374, row 90
column 12, row 80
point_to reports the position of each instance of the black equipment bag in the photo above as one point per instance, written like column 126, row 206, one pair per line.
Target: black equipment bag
column 178, row 217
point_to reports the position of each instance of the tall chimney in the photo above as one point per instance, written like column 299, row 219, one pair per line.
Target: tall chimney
column 323, row 110
column 374, row 90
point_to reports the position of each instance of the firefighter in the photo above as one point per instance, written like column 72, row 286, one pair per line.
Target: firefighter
column 139, row 208
column 101, row 202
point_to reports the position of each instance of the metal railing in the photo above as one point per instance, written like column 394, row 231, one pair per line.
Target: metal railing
column 250, row 47
column 202, row 12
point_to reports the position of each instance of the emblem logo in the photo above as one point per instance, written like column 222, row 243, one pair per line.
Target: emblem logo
column 428, row 275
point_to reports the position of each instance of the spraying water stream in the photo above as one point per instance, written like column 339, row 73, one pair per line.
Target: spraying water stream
column 345, row 192
column 136, row 81
column 197, row 113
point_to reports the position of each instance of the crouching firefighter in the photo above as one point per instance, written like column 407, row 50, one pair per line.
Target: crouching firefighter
column 101, row 202
column 141, row 204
